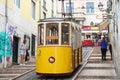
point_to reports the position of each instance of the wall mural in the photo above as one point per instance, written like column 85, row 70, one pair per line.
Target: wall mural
column 5, row 42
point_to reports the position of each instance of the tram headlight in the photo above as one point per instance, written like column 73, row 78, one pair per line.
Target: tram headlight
column 51, row 59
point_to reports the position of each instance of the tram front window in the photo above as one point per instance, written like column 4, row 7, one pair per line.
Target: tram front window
column 65, row 34
column 52, row 33
column 41, row 34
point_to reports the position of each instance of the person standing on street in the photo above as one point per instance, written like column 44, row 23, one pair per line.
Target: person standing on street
column 103, row 48
column 110, row 49
column 23, row 52
column 27, row 56
column 96, row 38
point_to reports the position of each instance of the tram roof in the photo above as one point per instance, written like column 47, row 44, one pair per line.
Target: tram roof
column 56, row 19
column 74, row 24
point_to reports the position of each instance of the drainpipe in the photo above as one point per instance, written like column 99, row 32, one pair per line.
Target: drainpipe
column 6, row 23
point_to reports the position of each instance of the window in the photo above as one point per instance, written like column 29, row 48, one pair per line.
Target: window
column 41, row 34
column 52, row 33
column 44, row 4
column 65, row 34
column 68, row 10
column 17, row 3
column 33, row 10
column 90, row 8
column 52, row 4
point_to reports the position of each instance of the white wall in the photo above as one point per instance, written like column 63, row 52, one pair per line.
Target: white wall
column 96, row 17
column 22, row 26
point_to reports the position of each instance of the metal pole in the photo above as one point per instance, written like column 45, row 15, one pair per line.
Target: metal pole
column 6, row 22
column 63, row 11
column 39, row 9
column 70, row 8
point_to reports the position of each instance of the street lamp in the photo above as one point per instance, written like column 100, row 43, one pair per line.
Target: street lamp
column 104, row 11
column 100, row 6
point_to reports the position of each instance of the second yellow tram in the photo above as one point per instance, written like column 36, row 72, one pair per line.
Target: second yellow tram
column 59, row 49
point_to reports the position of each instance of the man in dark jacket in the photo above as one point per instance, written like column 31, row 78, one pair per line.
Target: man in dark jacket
column 103, row 48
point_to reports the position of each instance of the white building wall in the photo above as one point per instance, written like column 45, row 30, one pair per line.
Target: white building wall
column 115, row 34
column 48, row 8
column 20, row 25
column 2, row 17
column 79, row 12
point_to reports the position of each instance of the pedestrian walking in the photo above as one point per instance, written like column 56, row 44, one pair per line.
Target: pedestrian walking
column 23, row 52
column 110, row 49
column 103, row 45
column 96, row 38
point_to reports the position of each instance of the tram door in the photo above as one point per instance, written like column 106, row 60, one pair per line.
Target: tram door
column 33, row 45
column 15, row 50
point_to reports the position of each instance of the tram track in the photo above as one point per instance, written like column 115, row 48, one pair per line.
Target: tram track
column 84, row 63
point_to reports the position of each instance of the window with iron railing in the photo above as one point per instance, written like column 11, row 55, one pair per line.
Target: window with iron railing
column 68, row 9
column 89, row 7
column 44, row 4
column 17, row 3
column 33, row 9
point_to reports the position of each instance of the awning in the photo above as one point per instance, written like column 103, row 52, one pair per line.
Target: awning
column 104, row 24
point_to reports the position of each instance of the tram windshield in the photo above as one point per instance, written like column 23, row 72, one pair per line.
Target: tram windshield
column 52, row 36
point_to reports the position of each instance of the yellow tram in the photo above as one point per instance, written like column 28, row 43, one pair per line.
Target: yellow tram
column 59, row 48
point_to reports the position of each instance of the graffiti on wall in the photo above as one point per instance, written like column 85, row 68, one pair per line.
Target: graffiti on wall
column 5, row 46
column 12, row 30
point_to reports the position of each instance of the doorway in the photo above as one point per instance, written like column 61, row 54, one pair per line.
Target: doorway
column 15, row 50
column 33, row 45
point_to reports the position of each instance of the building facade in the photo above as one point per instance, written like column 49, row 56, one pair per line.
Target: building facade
column 48, row 8
column 114, row 30
column 86, row 12
column 18, row 22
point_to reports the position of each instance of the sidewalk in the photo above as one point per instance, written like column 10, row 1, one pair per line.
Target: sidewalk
column 97, row 69
column 17, row 70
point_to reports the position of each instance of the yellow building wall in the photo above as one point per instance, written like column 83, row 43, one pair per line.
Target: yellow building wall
column 26, row 9
column 10, row 3
column 2, row 1
column 37, row 10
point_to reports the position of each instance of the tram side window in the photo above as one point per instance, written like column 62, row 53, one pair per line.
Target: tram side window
column 52, row 33
column 65, row 34
column 41, row 35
